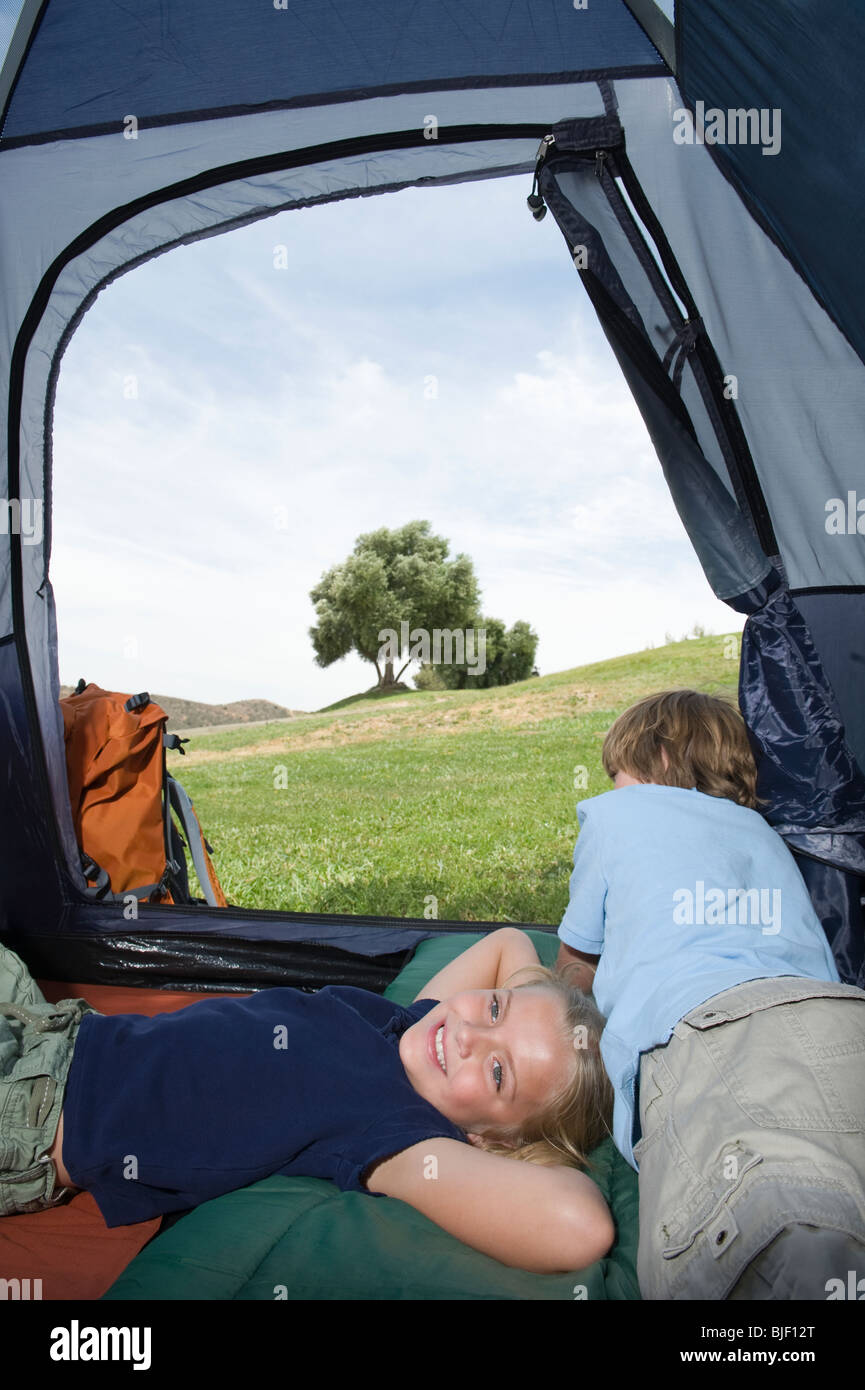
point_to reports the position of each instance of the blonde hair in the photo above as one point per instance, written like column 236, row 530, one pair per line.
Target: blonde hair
column 704, row 740
column 578, row 1117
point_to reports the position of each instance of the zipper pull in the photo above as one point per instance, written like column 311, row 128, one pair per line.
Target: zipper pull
column 600, row 163
column 535, row 200
column 543, row 147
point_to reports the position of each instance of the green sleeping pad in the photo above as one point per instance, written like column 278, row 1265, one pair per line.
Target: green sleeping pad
column 302, row 1238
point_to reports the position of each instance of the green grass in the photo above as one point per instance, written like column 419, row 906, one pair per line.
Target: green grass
column 459, row 804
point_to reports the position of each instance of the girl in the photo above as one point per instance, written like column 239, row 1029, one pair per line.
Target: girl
column 430, row 1104
column 737, row 1057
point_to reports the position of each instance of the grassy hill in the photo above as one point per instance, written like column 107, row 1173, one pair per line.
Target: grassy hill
column 458, row 804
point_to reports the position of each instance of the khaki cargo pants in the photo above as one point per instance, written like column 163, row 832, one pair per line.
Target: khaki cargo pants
column 752, row 1155
column 36, row 1044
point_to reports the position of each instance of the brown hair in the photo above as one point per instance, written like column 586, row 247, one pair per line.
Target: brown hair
column 704, row 740
column 579, row 1117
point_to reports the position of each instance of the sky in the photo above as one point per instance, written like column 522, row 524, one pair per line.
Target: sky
column 231, row 416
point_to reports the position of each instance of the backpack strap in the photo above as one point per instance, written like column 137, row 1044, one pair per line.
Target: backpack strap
column 177, row 872
column 176, row 875
column 100, row 891
column 91, row 869
column 181, row 802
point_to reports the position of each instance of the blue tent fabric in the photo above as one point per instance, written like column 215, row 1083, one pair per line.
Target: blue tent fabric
column 179, row 63
column 800, row 58
column 807, row 773
column 812, row 787
column 836, row 621
column 837, row 899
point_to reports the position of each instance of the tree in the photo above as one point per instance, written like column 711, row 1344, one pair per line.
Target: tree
column 398, row 581
column 509, row 656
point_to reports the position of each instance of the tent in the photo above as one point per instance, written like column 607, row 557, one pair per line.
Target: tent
column 703, row 168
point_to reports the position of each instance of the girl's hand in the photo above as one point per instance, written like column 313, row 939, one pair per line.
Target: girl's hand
column 548, row 1220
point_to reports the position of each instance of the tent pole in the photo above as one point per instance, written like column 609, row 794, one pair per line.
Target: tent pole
column 657, row 27
column 28, row 21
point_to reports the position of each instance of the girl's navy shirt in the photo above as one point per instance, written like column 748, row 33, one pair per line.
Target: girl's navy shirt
column 164, row 1113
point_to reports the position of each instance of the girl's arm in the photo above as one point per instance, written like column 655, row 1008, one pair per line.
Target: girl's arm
column 548, row 1220
column 486, row 965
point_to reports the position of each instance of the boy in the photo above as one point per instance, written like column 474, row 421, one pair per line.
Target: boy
column 736, row 1056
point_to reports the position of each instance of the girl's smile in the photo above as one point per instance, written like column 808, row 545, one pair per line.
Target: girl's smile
column 437, row 1047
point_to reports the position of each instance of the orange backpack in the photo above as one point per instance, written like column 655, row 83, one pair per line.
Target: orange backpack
column 123, row 797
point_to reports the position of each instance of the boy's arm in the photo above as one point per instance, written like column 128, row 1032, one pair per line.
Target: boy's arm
column 548, row 1220
column 585, row 918
column 486, row 965
column 577, row 967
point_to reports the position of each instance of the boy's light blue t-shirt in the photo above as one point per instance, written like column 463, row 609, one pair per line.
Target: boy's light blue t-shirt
column 682, row 895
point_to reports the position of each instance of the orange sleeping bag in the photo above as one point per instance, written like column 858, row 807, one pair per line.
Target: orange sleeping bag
column 68, row 1252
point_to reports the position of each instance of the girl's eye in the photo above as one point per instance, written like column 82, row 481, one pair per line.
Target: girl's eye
column 495, row 1010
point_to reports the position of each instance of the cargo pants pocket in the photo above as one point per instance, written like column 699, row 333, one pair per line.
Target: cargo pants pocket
column 36, row 1045
column 692, row 1242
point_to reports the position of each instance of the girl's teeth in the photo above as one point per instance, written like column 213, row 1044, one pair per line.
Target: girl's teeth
column 440, row 1052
